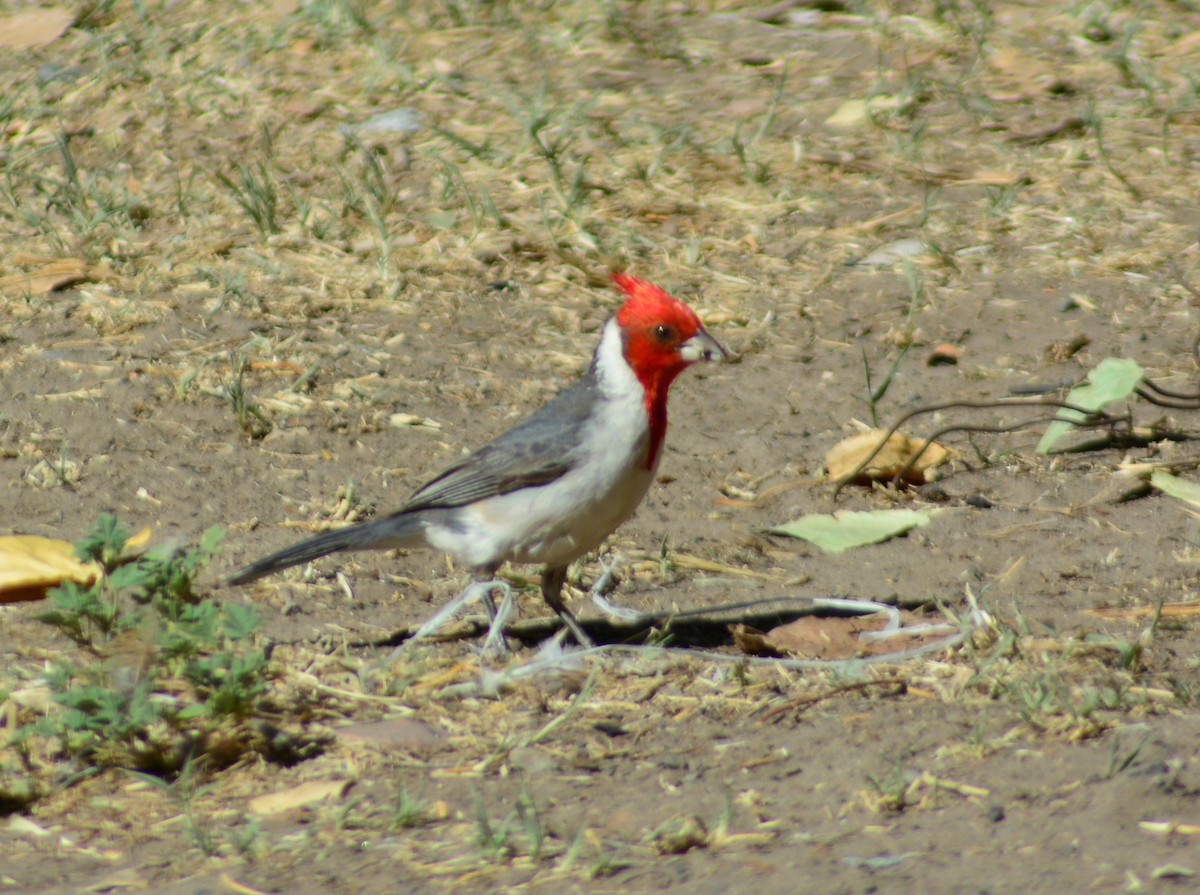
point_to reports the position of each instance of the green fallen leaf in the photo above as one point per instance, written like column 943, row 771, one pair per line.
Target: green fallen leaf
column 1113, row 379
column 845, row 531
column 1173, row 486
column 1172, row 871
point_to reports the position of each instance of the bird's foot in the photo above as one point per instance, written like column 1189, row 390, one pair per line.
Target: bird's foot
column 476, row 590
column 572, row 623
column 606, row 584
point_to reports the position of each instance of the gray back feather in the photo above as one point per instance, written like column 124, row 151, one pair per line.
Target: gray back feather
column 540, row 449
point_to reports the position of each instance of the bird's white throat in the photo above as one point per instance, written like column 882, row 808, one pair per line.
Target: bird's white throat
column 617, row 379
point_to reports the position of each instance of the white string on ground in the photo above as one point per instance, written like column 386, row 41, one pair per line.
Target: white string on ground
column 862, row 607
column 893, row 628
column 553, row 658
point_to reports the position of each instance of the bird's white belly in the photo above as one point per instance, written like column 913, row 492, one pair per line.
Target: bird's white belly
column 553, row 524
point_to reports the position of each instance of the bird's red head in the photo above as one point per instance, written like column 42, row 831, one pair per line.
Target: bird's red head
column 662, row 337
column 654, row 327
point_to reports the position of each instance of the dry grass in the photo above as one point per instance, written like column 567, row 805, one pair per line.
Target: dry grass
column 204, row 164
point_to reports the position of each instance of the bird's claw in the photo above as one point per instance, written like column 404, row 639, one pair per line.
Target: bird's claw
column 605, row 584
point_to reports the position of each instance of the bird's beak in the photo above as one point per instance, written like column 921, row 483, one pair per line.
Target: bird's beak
column 702, row 347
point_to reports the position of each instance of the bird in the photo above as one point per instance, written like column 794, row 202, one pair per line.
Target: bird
column 553, row 487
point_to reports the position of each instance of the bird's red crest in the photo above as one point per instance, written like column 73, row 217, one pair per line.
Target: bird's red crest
column 648, row 305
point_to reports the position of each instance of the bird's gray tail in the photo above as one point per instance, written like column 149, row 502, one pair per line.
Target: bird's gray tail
column 399, row 530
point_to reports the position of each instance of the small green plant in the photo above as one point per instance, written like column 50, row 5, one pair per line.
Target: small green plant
column 746, row 149
column 173, row 677
column 1120, row 760
column 48, row 193
column 455, row 185
column 974, row 19
column 502, row 842
column 554, row 133
column 247, row 839
column 875, row 394
column 184, row 384
column 1095, row 122
column 408, row 811
column 184, row 790
column 314, row 216
column 531, row 820
column 891, row 792
column 251, row 418
column 351, row 816
column 254, row 188
column 492, row 840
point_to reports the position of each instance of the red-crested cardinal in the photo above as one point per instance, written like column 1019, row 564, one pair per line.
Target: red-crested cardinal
column 561, row 481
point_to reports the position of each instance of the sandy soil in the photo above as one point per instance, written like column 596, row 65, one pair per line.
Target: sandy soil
column 454, row 271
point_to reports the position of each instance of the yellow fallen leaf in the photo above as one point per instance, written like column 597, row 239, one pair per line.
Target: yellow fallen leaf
column 31, row 565
column 308, row 793
column 845, row 458
column 34, row 27
column 136, row 545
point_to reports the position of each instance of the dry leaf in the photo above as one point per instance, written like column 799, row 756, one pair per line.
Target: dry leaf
column 835, row 638
column 844, row 458
column 34, row 27
column 394, row 733
column 136, row 545
column 31, row 565
column 298, row 796
column 894, row 252
column 49, row 277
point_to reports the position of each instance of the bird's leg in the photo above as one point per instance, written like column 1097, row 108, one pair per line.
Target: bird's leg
column 605, row 584
column 476, row 590
column 553, row 578
column 495, row 642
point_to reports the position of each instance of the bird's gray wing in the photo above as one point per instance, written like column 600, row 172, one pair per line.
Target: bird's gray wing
column 540, row 449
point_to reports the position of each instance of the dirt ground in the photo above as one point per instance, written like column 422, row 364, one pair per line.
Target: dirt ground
column 199, row 199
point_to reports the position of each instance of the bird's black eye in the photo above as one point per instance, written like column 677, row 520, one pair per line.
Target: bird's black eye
column 664, row 333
